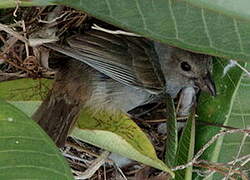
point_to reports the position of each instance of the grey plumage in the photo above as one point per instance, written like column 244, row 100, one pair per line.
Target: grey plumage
column 139, row 62
column 123, row 72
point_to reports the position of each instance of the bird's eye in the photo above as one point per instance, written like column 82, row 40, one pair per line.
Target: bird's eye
column 185, row 66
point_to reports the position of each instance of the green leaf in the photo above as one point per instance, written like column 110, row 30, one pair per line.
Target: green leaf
column 177, row 23
column 117, row 133
column 13, row 3
column 27, row 107
column 25, row 89
column 185, row 150
column 25, row 94
column 172, row 134
column 209, row 27
column 26, row 152
column 239, row 117
column 238, row 9
column 221, row 110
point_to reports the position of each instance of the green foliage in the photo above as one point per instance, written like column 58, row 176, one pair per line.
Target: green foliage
column 172, row 133
column 217, row 109
column 26, row 151
column 178, row 23
column 204, row 26
column 222, row 110
column 25, row 89
column 210, row 27
column 186, row 146
column 117, row 133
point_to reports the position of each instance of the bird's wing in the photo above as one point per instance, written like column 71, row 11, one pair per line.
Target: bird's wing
column 129, row 60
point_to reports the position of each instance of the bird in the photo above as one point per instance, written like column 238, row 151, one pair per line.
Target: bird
column 116, row 73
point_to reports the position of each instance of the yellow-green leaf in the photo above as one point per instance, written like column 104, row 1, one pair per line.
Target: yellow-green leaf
column 117, row 133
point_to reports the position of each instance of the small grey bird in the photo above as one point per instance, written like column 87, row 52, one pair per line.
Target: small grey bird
column 118, row 73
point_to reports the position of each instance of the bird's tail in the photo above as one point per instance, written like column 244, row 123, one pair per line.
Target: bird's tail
column 59, row 111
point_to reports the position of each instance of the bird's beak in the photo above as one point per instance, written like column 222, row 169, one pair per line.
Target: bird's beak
column 206, row 84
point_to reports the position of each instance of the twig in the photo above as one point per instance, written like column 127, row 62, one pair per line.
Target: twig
column 93, row 167
column 18, row 2
column 220, row 168
column 15, row 65
column 25, row 36
column 242, row 68
column 245, row 162
column 13, row 33
column 214, row 168
column 53, row 20
column 11, row 76
column 104, row 172
column 76, row 158
column 247, row 157
column 81, row 149
column 233, row 63
column 47, row 35
column 211, row 141
column 96, row 27
column 120, row 171
column 237, row 156
column 216, row 125
column 8, row 44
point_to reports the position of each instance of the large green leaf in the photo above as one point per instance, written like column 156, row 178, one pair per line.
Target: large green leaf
column 26, row 152
column 231, row 99
column 117, row 133
column 178, row 23
column 13, row 3
column 211, row 27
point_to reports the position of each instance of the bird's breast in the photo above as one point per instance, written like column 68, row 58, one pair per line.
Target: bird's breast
column 112, row 95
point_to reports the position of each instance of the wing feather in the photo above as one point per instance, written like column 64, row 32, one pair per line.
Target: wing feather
column 129, row 60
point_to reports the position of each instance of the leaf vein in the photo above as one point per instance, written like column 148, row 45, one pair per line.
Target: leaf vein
column 109, row 8
column 240, row 114
column 142, row 16
column 238, row 34
column 27, row 151
column 174, row 19
column 206, row 28
column 36, row 167
column 235, row 143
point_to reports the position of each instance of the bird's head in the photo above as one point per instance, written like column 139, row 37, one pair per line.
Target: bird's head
column 185, row 69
